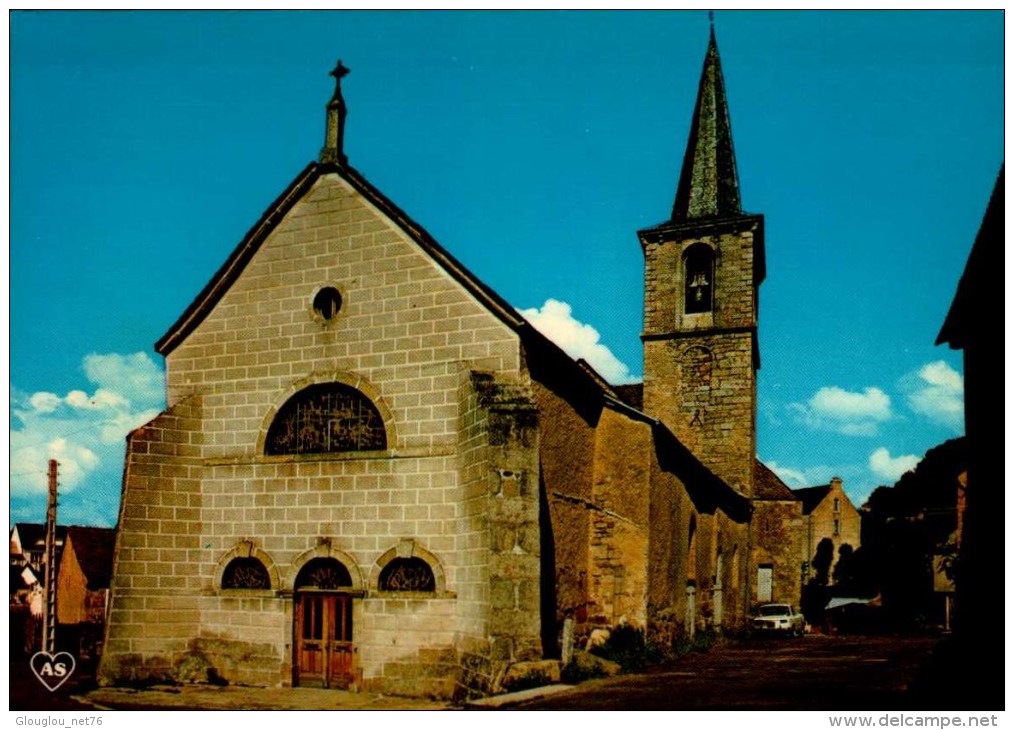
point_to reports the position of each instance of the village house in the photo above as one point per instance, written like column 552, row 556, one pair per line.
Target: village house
column 28, row 544
column 828, row 514
column 969, row 327
column 82, row 588
column 780, row 528
column 374, row 472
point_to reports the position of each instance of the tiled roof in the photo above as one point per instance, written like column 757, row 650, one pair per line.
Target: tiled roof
column 768, row 486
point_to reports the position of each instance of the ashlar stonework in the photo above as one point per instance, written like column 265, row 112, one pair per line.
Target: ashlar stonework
column 373, row 472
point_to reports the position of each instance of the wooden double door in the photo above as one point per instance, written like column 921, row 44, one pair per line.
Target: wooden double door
column 324, row 651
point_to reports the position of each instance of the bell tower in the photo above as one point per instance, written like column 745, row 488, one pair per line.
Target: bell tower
column 702, row 271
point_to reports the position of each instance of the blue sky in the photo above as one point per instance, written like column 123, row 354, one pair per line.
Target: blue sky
column 533, row 146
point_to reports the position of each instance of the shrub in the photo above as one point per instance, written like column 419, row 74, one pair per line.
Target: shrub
column 628, row 647
column 576, row 672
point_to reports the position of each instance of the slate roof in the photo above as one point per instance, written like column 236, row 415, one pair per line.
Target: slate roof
column 768, row 486
column 93, row 548
column 33, row 534
column 709, row 184
column 812, row 496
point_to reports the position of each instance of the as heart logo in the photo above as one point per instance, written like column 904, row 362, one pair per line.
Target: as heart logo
column 52, row 669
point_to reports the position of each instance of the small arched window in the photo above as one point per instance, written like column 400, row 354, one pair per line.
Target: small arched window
column 699, row 279
column 407, row 574
column 248, row 573
column 324, row 419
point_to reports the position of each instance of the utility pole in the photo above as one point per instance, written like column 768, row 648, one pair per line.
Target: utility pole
column 49, row 606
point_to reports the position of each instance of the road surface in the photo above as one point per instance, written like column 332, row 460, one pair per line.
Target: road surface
column 809, row 673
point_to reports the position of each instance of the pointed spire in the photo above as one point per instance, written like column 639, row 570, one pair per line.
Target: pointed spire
column 334, row 136
column 708, row 186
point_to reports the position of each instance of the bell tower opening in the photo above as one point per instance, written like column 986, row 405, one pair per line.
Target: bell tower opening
column 698, row 279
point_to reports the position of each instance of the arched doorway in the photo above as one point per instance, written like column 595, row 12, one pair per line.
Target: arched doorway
column 323, row 625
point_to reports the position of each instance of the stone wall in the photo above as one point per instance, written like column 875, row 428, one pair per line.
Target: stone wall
column 403, row 325
column 714, row 562
column 699, row 368
column 703, row 389
column 778, row 536
column 154, row 599
column 566, row 446
column 199, row 486
column 512, row 512
column 820, row 523
column 618, row 542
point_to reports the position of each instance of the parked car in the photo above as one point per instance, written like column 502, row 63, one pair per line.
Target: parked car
column 778, row 618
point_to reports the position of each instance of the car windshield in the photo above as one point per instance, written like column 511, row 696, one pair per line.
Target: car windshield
column 775, row 611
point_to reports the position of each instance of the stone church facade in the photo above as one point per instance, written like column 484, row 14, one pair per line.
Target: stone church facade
column 373, row 472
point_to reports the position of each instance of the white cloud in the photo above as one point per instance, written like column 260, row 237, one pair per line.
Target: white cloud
column 792, row 477
column 936, row 391
column 115, row 429
column 102, row 399
column 855, row 478
column 849, row 413
column 136, row 377
column 30, row 462
column 890, row 468
column 44, row 402
column 871, row 404
column 556, row 321
column 85, row 434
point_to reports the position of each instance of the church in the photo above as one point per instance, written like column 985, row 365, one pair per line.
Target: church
column 373, row 472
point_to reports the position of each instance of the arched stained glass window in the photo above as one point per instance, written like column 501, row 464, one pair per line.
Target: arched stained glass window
column 324, row 573
column 407, row 574
column 326, row 418
column 248, row 573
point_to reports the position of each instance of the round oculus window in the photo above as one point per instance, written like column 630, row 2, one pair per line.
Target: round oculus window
column 327, row 303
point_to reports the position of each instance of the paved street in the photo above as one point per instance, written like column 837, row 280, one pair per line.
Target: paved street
column 811, row 673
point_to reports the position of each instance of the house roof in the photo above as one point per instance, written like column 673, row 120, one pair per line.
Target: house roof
column 976, row 295
column 812, row 496
column 93, row 548
column 768, row 486
column 19, row 576
column 33, row 534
